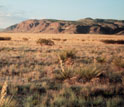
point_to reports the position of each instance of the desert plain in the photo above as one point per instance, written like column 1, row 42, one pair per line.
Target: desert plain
column 77, row 70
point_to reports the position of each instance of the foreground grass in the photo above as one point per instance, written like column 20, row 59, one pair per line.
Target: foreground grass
column 77, row 71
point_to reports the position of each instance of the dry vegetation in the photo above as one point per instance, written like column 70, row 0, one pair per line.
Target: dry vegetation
column 45, row 70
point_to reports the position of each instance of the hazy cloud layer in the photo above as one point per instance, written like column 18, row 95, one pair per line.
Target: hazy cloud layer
column 6, row 21
column 8, row 18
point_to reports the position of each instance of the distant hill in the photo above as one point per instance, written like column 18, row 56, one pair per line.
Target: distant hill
column 1, row 29
column 82, row 26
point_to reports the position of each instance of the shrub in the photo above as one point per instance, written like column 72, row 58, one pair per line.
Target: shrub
column 5, row 38
column 113, row 41
column 45, row 42
column 25, row 39
column 56, row 39
column 64, row 39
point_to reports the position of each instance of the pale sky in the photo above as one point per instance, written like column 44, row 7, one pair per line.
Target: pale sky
column 15, row 11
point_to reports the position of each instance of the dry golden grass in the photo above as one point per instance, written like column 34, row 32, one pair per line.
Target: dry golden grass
column 19, row 58
column 32, row 68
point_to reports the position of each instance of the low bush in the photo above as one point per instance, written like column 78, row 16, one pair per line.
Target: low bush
column 5, row 38
column 45, row 42
column 113, row 41
column 25, row 39
column 56, row 39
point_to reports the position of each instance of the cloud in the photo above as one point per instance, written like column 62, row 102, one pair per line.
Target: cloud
column 8, row 17
column 1, row 6
column 6, row 21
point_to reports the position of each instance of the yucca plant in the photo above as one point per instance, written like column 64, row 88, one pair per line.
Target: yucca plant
column 67, row 54
column 64, row 73
column 89, row 72
column 3, row 94
column 5, row 100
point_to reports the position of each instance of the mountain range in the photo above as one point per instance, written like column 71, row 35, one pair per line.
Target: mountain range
column 82, row 26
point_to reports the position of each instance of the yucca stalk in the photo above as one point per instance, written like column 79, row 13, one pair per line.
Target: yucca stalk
column 3, row 94
column 5, row 100
column 61, row 64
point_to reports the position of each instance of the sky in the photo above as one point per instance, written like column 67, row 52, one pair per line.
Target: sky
column 15, row 11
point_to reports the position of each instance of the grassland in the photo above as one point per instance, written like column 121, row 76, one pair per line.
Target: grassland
column 75, row 71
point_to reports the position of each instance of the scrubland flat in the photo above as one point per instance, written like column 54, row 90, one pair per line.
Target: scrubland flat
column 63, row 70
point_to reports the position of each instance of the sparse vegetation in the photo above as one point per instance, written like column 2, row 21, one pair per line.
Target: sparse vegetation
column 89, row 74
